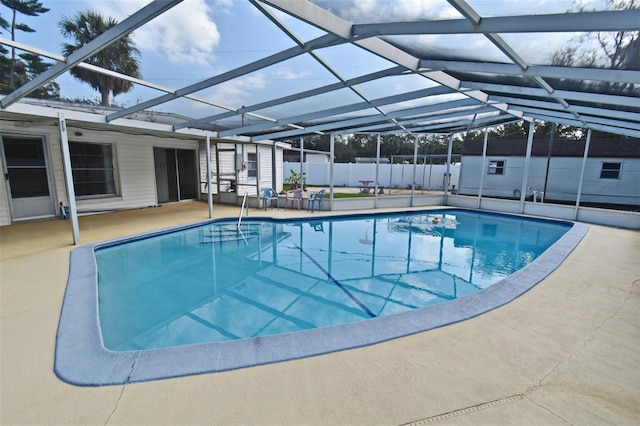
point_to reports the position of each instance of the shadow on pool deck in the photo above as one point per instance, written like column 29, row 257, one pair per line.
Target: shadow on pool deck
column 564, row 352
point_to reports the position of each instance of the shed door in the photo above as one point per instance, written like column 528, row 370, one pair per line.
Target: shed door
column 26, row 177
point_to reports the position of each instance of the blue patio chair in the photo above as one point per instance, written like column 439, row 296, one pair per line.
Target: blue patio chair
column 295, row 196
column 268, row 194
column 319, row 197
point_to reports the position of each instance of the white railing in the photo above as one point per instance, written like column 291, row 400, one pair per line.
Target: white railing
column 244, row 202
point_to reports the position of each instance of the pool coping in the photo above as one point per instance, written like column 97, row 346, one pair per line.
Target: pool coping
column 81, row 358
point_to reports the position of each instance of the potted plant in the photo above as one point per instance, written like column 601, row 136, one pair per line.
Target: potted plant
column 297, row 180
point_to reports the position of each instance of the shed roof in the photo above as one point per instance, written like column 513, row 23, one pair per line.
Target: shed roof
column 604, row 148
column 390, row 67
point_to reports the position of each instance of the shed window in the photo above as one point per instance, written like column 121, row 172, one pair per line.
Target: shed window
column 252, row 165
column 610, row 171
column 92, row 168
column 496, row 167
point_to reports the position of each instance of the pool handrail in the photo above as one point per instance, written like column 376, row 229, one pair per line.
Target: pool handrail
column 244, row 201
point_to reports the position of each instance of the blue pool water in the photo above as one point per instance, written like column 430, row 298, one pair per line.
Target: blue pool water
column 213, row 282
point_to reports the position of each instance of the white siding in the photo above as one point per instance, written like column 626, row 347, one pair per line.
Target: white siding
column 562, row 182
column 246, row 184
column 133, row 161
column 267, row 167
column 279, row 169
column 203, row 167
column 227, row 166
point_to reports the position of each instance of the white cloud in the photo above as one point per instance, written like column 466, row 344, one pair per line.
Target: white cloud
column 390, row 10
column 239, row 92
column 225, row 6
column 288, row 74
column 186, row 33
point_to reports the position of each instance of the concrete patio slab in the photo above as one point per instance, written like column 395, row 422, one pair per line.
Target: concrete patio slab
column 564, row 352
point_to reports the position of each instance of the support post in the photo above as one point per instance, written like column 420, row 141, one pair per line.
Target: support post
column 584, row 164
column 273, row 170
column 68, row 175
column 546, row 173
column 447, row 175
column 331, row 153
column 207, row 142
column 301, row 162
column 375, row 187
column 483, row 170
column 415, row 165
column 527, row 162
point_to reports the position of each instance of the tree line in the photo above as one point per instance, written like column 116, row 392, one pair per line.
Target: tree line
column 400, row 148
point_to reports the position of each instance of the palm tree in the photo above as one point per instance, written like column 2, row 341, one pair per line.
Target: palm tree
column 120, row 56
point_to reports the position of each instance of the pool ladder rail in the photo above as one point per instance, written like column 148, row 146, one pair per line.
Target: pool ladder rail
column 244, row 202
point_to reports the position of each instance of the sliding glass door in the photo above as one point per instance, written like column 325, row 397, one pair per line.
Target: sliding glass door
column 176, row 174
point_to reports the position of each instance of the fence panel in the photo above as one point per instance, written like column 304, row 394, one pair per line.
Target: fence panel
column 428, row 176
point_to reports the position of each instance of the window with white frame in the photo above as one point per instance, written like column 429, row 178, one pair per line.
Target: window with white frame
column 610, row 170
column 496, row 167
column 252, row 165
column 93, row 169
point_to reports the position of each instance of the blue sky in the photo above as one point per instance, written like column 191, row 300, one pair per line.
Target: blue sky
column 201, row 38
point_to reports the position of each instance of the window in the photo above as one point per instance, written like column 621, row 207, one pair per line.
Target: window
column 610, row 171
column 496, row 167
column 252, row 165
column 92, row 167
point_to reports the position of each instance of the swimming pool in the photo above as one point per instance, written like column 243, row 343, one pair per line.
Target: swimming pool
column 283, row 289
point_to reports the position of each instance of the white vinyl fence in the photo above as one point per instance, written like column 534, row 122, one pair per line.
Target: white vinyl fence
column 427, row 176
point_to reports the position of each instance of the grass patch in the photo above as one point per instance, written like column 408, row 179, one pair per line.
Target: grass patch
column 345, row 195
column 287, row 186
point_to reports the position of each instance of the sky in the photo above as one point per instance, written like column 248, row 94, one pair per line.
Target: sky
column 201, row 38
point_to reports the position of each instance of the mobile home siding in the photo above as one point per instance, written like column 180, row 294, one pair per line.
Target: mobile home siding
column 563, row 175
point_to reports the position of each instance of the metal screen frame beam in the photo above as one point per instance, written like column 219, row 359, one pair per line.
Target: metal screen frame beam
column 318, row 43
column 545, row 23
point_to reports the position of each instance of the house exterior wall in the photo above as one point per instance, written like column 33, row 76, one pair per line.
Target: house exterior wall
column 228, row 157
column 133, row 163
column 134, row 166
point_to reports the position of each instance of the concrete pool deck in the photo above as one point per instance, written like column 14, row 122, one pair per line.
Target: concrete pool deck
column 565, row 352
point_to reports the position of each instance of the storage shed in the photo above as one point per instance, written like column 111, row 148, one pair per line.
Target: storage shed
column 611, row 172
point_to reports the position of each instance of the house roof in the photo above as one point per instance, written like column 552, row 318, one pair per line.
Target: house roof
column 443, row 67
